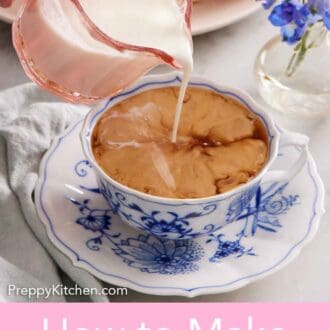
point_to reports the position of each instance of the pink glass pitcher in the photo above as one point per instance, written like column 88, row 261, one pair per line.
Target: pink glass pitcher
column 82, row 76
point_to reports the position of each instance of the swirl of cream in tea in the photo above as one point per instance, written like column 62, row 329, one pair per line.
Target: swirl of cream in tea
column 220, row 143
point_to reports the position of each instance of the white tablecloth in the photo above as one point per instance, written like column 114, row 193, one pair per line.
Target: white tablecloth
column 227, row 56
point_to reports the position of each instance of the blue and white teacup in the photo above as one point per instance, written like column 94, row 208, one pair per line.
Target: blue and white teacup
column 188, row 218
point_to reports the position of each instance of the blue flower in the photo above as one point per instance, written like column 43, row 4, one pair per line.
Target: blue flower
column 294, row 17
column 292, row 33
column 268, row 3
column 283, row 14
column 326, row 19
column 320, row 9
column 95, row 221
column 153, row 255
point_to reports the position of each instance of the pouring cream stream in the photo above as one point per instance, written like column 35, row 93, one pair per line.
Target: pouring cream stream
column 107, row 41
column 158, row 24
column 87, row 50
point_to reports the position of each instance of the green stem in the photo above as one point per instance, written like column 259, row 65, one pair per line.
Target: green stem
column 298, row 55
column 302, row 48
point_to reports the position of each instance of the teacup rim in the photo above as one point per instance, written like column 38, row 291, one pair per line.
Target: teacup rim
column 156, row 80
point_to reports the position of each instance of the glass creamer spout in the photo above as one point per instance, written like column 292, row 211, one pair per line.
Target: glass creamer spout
column 87, row 50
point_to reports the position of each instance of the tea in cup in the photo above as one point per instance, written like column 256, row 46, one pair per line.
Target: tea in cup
column 225, row 146
column 220, row 143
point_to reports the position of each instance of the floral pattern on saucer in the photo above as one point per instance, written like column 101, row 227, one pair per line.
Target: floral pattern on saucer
column 263, row 233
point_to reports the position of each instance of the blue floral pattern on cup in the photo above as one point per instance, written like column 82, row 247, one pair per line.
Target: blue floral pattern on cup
column 188, row 218
column 157, row 222
column 257, row 209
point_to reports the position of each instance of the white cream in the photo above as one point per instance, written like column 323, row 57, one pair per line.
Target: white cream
column 184, row 85
column 158, row 24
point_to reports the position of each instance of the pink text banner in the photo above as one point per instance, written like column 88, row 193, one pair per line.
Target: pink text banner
column 165, row 316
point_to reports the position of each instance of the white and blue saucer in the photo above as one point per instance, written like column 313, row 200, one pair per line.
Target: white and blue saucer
column 265, row 235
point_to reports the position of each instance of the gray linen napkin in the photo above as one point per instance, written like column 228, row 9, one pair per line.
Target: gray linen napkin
column 29, row 120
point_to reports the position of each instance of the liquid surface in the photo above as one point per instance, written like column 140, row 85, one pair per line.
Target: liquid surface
column 220, row 144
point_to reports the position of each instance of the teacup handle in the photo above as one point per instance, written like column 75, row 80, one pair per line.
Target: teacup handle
column 289, row 139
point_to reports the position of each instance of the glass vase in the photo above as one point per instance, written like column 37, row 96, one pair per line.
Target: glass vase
column 294, row 83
